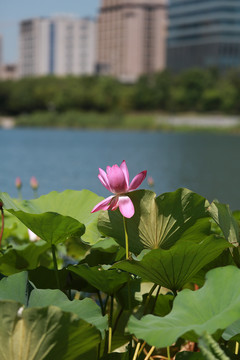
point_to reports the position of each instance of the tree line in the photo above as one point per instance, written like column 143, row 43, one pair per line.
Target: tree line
column 193, row 90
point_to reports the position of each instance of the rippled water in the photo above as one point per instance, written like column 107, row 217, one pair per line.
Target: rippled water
column 208, row 164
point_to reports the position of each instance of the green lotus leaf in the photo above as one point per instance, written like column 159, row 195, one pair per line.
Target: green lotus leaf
column 108, row 281
column 85, row 309
column 174, row 267
column 232, row 331
column 44, row 278
column 51, row 227
column 229, row 226
column 22, row 257
column 74, row 204
column 157, row 222
column 210, row 309
column 163, row 305
column 16, row 288
column 126, row 295
column 44, row 333
column 14, row 228
column 103, row 252
column 224, row 218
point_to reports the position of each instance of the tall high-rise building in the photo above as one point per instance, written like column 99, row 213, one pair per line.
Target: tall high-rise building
column 59, row 45
column 131, row 37
column 203, row 33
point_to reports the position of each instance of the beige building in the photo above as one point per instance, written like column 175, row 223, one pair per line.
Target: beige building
column 131, row 37
column 59, row 45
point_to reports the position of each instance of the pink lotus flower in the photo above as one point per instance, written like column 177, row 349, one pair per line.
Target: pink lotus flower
column 34, row 183
column 116, row 180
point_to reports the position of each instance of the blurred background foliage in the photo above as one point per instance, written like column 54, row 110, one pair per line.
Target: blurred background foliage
column 195, row 90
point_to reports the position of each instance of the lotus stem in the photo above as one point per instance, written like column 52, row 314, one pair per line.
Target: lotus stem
column 109, row 339
column 127, row 257
column 136, row 351
column 55, row 265
column 155, row 300
column 19, row 194
column 211, row 349
column 105, row 305
column 150, row 353
column 145, row 307
column 126, row 238
column 142, row 347
column 100, row 302
column 117, row 319
column 110, row 325
column 2, row 228
column 99, row 351
column 148, row 298
column 168, row 353
column 237, row 348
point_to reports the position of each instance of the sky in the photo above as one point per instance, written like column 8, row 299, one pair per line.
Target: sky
column 13, row 11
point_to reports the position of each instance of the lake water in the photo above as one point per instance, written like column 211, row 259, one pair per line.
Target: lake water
column 208, row 164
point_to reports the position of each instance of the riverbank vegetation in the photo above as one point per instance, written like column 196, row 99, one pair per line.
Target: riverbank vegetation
column 73, row 119
column 194, row 90
column 90, row 120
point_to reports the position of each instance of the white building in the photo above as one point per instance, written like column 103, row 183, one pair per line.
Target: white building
column 59, row 45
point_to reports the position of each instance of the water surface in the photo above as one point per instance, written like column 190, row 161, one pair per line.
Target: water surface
column 69, row 159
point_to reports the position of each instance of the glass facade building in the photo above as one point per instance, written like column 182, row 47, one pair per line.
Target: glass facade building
column 203, row 33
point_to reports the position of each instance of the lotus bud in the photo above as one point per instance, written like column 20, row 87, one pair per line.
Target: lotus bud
column 34, row 183
column 150, row 181
column 18, row 183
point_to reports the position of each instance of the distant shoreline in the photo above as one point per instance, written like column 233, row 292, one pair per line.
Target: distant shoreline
column 129, row 121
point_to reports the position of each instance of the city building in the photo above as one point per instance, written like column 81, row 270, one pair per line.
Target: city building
column 131, row 38
column 58, row 45
column 203, row 33
column 9, row 72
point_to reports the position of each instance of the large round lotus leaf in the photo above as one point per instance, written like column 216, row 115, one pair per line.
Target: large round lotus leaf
column 213, row 307
column 108, row 281
column 44, row 333
column 51, row 227
column 22, row 257
column 157, row 222
column 69, row 203
column 173, row 268
column 85, row 309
